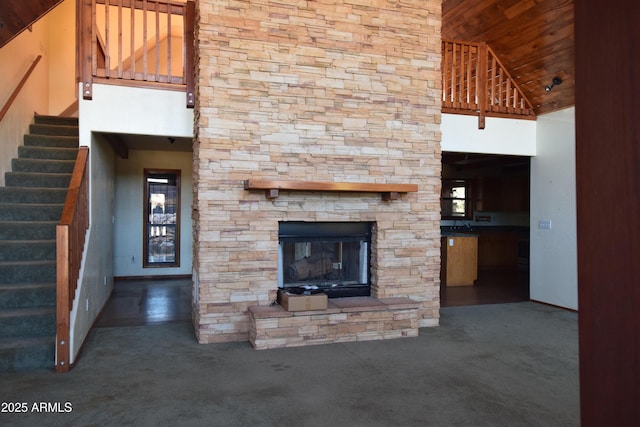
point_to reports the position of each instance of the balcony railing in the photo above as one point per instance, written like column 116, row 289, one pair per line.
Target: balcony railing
column 138, row 43
column 475, row 82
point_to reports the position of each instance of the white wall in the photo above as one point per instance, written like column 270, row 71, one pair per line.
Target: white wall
column 129, row 227
column 553, row 263
column 61, row 45
column 96, row 276
column 131, row 110
column 460, row 133
column 15, row 59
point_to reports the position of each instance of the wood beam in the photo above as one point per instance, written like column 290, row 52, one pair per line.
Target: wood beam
column 388, row 191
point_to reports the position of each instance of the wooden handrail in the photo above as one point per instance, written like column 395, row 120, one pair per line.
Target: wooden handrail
column 70, row 238
column 164, row 6
column 18, row 88
column 388, row 191
column 524, row 107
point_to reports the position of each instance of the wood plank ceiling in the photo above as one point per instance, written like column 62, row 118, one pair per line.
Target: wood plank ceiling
column 533, row 39
column 17, row 15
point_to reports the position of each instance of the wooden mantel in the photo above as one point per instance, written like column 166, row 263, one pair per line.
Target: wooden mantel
column 388, row 191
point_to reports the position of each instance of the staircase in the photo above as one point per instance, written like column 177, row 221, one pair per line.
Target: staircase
column 30, row 207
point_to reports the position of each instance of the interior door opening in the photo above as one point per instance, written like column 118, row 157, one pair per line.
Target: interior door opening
column 493, row 207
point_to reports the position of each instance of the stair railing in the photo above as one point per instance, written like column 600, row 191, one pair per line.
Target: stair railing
column 70, row 239
column 19, row 87
column 475, row 82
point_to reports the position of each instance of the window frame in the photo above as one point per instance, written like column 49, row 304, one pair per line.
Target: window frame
column 468, row 199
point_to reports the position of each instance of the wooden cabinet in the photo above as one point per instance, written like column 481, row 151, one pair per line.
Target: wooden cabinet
column 459, row 260
column 502, row 194
column 498, row 250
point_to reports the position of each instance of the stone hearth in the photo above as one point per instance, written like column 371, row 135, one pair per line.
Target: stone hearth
column 345, row 320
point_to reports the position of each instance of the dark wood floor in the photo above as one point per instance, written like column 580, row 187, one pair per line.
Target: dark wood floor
column 139, row 302
column 492, row 287
column 157, row 301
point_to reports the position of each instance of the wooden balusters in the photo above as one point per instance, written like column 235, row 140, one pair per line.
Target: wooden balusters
column 475, row 82
column 135, row 41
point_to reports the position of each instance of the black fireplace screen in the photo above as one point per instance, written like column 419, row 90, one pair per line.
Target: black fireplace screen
column 329, row 256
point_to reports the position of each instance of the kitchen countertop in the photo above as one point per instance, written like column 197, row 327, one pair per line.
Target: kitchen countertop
column 458, row 234
column 476, row 229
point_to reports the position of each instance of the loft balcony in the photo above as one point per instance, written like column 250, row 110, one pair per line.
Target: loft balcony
column 474, row 82
column 150, row 43
column 137, row 43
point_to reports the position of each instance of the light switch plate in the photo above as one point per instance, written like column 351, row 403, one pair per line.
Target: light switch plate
column 544, row 224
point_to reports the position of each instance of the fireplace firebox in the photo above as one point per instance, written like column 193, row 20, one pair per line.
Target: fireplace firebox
column 329, row 257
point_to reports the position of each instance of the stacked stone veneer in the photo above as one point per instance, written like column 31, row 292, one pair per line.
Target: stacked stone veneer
column 345, row 91
column 344, row 320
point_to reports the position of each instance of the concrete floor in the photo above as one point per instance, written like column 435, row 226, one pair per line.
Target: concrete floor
column 487, row 365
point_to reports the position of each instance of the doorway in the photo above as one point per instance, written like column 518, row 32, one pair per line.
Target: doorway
column 152, row 233
column 495, row 209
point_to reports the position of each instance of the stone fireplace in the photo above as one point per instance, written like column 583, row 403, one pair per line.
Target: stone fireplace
column 308, row 95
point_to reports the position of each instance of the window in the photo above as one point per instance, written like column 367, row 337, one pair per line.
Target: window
column 456, row 199
column 162, row 218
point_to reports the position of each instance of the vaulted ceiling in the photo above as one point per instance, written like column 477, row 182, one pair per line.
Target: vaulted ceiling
column 532, row 38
